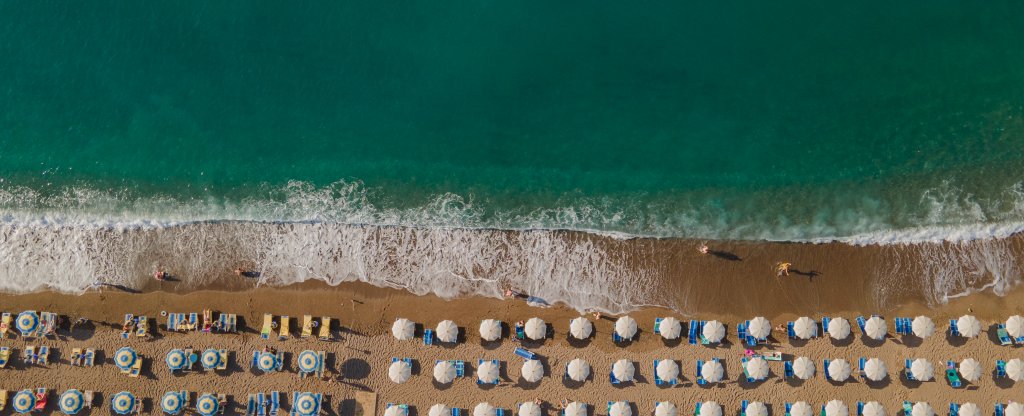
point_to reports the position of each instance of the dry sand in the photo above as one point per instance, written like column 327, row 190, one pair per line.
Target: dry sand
column 363, row 347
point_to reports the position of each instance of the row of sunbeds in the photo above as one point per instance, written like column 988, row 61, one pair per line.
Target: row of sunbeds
column 182, row 322
column 281, row 324
column 46, row 324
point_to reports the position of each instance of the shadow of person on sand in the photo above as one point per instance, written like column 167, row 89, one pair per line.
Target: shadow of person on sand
column 725, row 255
column 809, row 274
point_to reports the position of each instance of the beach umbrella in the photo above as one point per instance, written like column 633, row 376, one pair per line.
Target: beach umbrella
column 970, row 369
column 713, row 331
column 665, row 409
column 578, row 370
column 922, row 326
column 875, row 328
column 667, row 370
column 124, row 358
column 873, row 409
column 620, row 409
column 623, row 370
column 396, row 410
column 306, row 404
column 447, row 331
column 27, row 322
column 625, row 327
column 803, row 368
column 266, row 361
column 1014, row 409
column 804, row 327
column 1015, row 369
column 875, row 370
column 670, row 328
column 969, row 409
column 838, row 328
column 175, row 359
column 836, row 408
column 24, row 401
column 532, row 371
column 576, row 409
column 403, row 329
column 759, row 328
column 969, row 326
column 922, row 369
column 710, row 408
column 529, row 409
column 484, row 409
column 123, row 402
column 444, row 372
column 839, row 370
column 800, row 408
column 536, row 329
column 210, row 359
column 757, row 368
column 490, row 329
column 487, row 372
column 71, row 401
column 400, row 371
column 1015, row 326
column 207, row 405
column 756, row 409
column 921, row 409
column 580, row 328
column 308, row 361
column 712, row 371
column 172, row 402
column 439, row 410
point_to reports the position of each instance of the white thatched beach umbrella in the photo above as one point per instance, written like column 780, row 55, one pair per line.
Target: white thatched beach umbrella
column 923, row 327
column 713, row 331
column 710, row 408
column 670, row 328
column 667, row 370
column 447, row 331
column 1015, row 326
column 444, row 372
column 969, row 409
column 625, row 327
column 969, row 326
column 801, row 408
column 756, row 409
column 623, row 370
column 576, row 409
column 1014, row 409
column 665, row 409
column 484, row 409
column 838, row 328
column 536, row 329
column 970, row 370
column 712, row 371
column 578, row 370
column 803, row 368
column 581, row 328
column 440, row 410
column 836, row 408
column 875, row 370
column 839, row 369
column 620, row 409
column 875, row 328
column 490, row 329
column 921, row 409
column 403, row 329
column 1015, row 369
column 873, row 409
column 487, row 372
column 532, row 371
column 400, row 371
column 529, row 409
column 922, row 369
column 759, row 328
column 757, row 368
column 804, row 327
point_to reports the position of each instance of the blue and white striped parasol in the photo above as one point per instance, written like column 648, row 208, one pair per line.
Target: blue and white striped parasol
column 71, row 401
column 207, row 405
column 122, row 403
column 309, row 361
column 124, row 358
column 172, row 402
column 24, row 401
column 175, row 359
column 211, row 359
column 266, row 362
column 27, row 322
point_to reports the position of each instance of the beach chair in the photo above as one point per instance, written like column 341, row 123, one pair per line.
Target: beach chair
column 860, row 408
column 525, row 353
column 696, row 409
column 76, row 357
column 307, row 326
column 282, row 328
column 1004, row 337
column 612, row 379
column 520, row 330
column 499, row 412
column 954, row 409
column 741, row 331
column 142, row 328
column 172, row 322
column 89, row 359
column 222, row 399
column 268, row 324
column 657, row 380
column 44, row 355
column 1000, row 369
column 908, row 408
column 207, row 320
column 275, row 403
column 5, row 324
column 790, row 331
column 750, row 340
column 428, row 337
column 136, row 367
column 693, row 331
column 953, row 330
column 48, row 324
column 223, row 360
column 824, row 323
column 29, row 354
column 460, row 368
column 228, row 322
column 3, row 400
column 789, row 406
column 5, row 356
column 860, row 366
column 616, row 337
column 743, row 363
column 951, row 374
column 860, row 323
column 743, row 407
column 41, row 399
column 261, row 404
column 788, row 370
column 87, row 398
column 906, row 369
column 999, row 410
column 250, row 408
column 193, row 321
column 129, row 326
column 458, row 412
column 657, row 325
column 325, row 329
column 700, row 375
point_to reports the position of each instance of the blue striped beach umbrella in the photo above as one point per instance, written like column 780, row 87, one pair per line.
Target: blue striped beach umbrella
column 175, row 359
column 122, row 403
column 24, row 401
column 210, row 359
column 172, row 402
column 124, row 358
column 305, row 404
column 308, row 361
column 71, row 401
column 266, row 362
column 207, row 405
column 27, row 322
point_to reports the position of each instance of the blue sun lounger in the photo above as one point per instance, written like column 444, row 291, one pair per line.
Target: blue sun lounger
column 700, row 376
column 250, row 408
column 827, row 375
column 951, row 375
column 860, row 323
column 741, row 330
column 460, row 368
column 999, row 410
column 789, row 406
column 526, row 354
column 1000, row 369
column 860, row 366
column 456, row 411
column 261, row 404
column 751, row 341
column 860, row 408
column 743, row 363
column 824, row 323
column 954, row 409
column 907, row 373
column 657, row 325
column 789, row 330
column 743, row 407
column 788, row 370
column 953, row 330
column 499, row 412
column 1004, row 337
column 696, row 409
column 275, row 403
column 657, row 380
column 693, row 331
column 428, row 337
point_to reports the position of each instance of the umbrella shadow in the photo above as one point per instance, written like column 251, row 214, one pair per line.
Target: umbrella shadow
column 955, row 341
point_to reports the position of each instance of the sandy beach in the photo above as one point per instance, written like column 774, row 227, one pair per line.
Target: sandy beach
column 362, row 347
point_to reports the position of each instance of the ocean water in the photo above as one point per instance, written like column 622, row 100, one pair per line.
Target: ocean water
column 858, row 123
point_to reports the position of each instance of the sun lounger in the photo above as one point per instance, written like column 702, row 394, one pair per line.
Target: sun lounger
column 951, row 374
column 48, row 324
column 953, row 330
column 743, row 363
column 700, row 376
column 906, row 369
column 616, row 337
column 860, row 366
column 788, row 370
column 325, row 329
column 89, row 358
column 789, row 406
column 44, row 355
column 520, row 330
column 999, row 410
column 860, row 323
column 525, row 353
column 1004, row 337
column 5, row 324
column 30, row 354
column 825, row 367
column 193, row 321
column 228, row 322
column 5, row 356
column 275, row 403
column 428, row 337
column 282, row 328
column 824, row 323
column 657, row 380
column 250, row 408
column 268, row 325
column 142, row 328
column 261, row 404
column 87, row 399
column 860, row 408
column 908, row 408
column 136, row 368
column 460, row 368
column 790, row 331
column 1000, row 369
column 612, row 379
column 696, row 409
column 657, row 325
column 223, row 360
column 41, row 398
column 207, row 321
column 129, row 326
column 954, row 409
column 3, row 400
column 741, row 330
column 172, row 322
column 693, row 331
column 223, row 400
column 307, row 326
column 743, row 407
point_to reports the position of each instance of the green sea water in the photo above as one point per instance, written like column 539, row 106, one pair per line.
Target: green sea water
column 792, row 120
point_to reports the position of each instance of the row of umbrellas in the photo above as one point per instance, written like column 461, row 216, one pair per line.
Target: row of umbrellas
column 173, row 402
column 711, row 408
column 536, row 329
column 177, row 359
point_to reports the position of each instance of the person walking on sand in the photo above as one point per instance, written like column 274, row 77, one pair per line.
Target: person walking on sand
column 782, row 269
column 703, row 249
